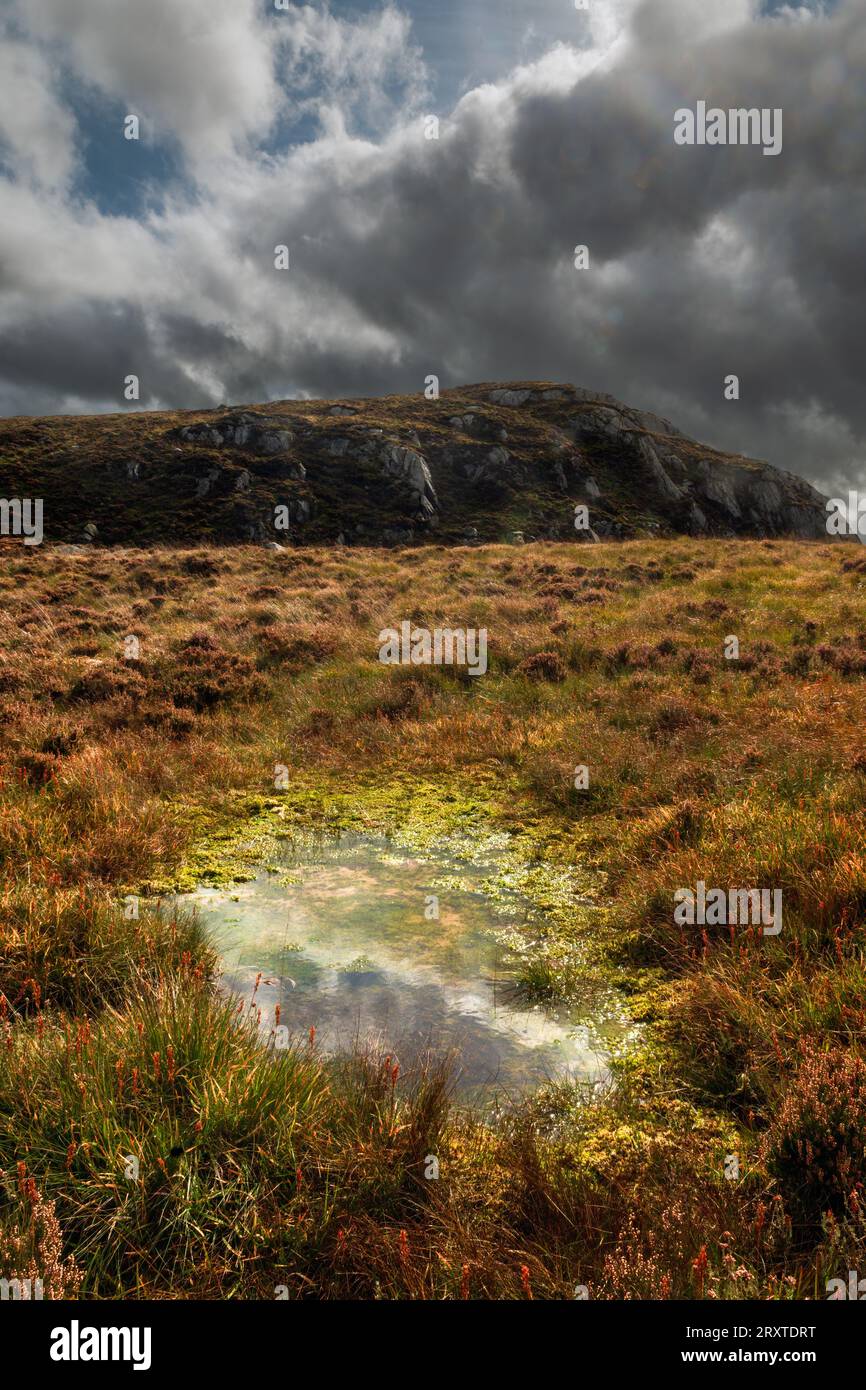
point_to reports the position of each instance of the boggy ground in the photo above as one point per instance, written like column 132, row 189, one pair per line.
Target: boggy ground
column 259, row 1170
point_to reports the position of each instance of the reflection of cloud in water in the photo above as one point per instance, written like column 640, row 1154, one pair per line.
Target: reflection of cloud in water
column 409, row 1017
column 347, row 949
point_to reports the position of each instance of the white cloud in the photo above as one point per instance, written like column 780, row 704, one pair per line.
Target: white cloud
column 367, row 67
column 38, row 132
column 198, row 70
column 54, row 252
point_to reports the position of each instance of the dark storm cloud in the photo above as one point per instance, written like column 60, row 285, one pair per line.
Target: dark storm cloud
column 454, row 256
column 786, row 314
column 460, row 263
column 85, row 351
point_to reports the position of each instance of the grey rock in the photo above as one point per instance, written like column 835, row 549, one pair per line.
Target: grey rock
column 734, row 496
column 201, row 434
column 594, row 423
column 479, row 427
column 495, row 466
column 655, row 468
column 766, row 495
column 244, row 431
column 398, row 535
column 273, row 441
column 559, row 475
column 410, row 468
column 627, row 418
column 697, row 520
column 506, row 396
column 204, row 485
column 718, row 486
column 674, row 467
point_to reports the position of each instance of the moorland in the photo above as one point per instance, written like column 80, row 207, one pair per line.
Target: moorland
column 130, row 770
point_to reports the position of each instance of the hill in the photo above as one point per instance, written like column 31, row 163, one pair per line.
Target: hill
column 481, row 462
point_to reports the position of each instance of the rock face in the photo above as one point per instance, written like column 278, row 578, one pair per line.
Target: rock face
column 411, row 469
column 243, row 430
column 482, row 463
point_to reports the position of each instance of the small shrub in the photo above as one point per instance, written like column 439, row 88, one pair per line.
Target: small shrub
column 31, row 1246
column 293, row 648
column 543, row 666
column 37, row 769
column 206, row 675
column 203, row 565
column 814, row 1145
column 108, row 683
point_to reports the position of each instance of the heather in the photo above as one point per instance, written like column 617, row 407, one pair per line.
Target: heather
column 262, row 1168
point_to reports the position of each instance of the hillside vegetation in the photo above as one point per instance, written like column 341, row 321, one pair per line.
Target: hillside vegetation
column 481, row 462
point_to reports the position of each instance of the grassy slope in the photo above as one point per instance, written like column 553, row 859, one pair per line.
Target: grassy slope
column 308, row 1173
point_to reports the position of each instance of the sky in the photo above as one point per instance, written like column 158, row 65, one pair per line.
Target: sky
column 307, row 126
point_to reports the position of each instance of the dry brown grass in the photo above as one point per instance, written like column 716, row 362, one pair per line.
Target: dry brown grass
column 733, row 772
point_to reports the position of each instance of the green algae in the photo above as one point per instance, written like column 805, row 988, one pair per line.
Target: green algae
column 560, row 954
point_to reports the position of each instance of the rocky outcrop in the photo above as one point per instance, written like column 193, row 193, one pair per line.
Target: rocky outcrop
column 693, row 491
column 242, row 431
column 479, row 426
column 411, row 470
column 482, row 463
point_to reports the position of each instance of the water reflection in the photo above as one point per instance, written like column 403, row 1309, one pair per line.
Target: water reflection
column 346, row 940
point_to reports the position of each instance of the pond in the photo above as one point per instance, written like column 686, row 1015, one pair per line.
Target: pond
column 361, row 940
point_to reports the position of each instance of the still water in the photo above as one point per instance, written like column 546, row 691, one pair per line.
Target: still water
column 345, row 935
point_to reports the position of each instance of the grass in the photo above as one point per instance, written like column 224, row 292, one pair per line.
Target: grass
column 264, row 1169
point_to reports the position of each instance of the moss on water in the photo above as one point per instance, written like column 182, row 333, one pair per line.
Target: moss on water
column 560, row 953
